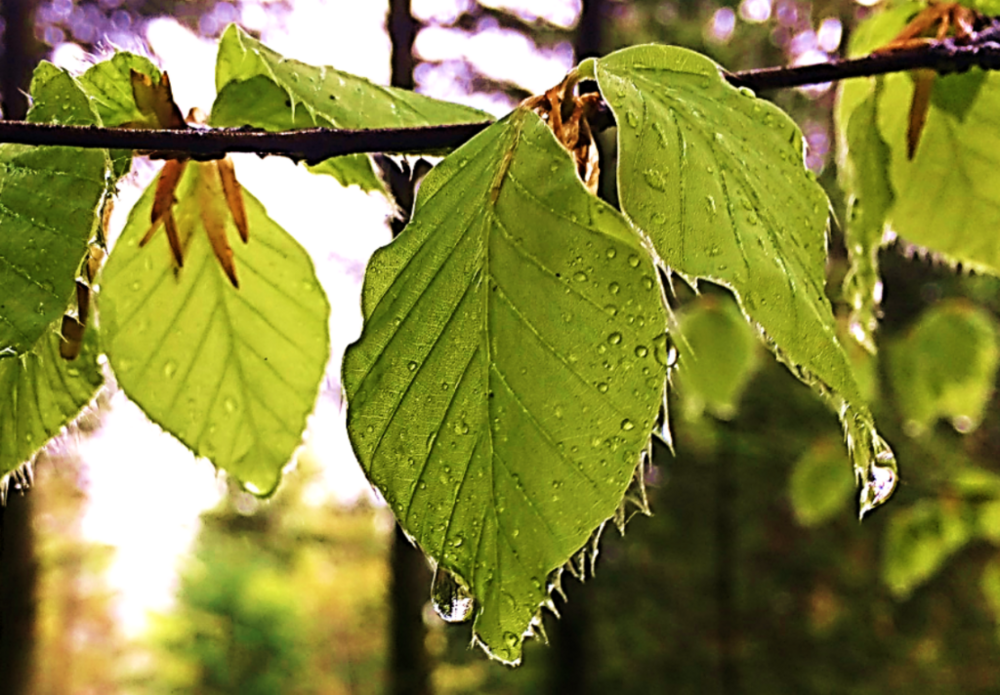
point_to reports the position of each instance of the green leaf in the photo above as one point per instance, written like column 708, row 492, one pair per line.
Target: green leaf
column 261, row 88
column 233, row 374
column 717, row 357
column 820, row 485
column 715, row 178
column 41, row 393
column 864, row 176
column 946, row 367
column 509, row 374
column 49, row 202
column 109, row 86
column 989, row 583
column 918, row 541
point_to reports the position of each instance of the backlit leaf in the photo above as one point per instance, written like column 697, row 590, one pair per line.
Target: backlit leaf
column 232, row 373
column 509, row 374
column 261, row 88
column 715, row 178
column 49, row 201
column 109, row 86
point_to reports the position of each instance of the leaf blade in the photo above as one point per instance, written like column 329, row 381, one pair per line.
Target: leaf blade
column 506, row 400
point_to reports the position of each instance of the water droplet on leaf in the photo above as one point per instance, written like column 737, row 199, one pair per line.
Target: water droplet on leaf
column 451, row 600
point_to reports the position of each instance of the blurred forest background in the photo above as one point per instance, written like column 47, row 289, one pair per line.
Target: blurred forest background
column 752, row 575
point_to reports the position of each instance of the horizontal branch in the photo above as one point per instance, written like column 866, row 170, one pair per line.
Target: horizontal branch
column 317, row 144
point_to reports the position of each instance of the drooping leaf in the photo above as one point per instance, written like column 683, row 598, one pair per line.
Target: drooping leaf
column 820, row 485
column 946, row 366
column 717, row 356
column 41, row 393
column 49, row 201
column 864, row 175
column 715, row 177
column 918, row 541
column 261, row 88
column 509, row 372
column 232, row 373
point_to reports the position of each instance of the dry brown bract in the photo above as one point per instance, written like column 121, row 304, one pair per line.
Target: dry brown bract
column 566, row 114
column 156, row 102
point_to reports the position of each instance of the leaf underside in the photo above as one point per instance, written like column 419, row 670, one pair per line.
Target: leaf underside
column 510, row 370
column 231, row 373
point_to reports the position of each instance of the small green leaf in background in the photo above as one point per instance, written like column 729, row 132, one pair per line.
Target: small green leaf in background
column 821, row 485
column 989, row 583
column 509, row 374
column 233, row 374
column 717, row 357
column 715, row 177
column 49, row 202
column 945, row 367
column 918, row 541
column 40, row 393
column 263, row 89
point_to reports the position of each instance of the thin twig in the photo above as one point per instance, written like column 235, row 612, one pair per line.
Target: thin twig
column 317, row 144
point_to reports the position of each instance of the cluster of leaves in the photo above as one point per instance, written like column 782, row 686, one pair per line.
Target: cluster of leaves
column 518, row 341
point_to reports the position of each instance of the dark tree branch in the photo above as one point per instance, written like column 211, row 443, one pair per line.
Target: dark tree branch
column 316, row 144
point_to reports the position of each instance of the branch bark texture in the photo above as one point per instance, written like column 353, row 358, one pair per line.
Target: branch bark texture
column 317, row 144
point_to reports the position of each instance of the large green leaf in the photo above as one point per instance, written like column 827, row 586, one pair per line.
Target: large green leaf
column 715, row 178
column 946, row 366
column 509, row 373
column 261, row 88
column 232, row 373
column 49, row 199
column 41, row 393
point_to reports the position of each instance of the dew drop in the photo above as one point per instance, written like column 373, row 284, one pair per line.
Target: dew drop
column 627, row 425
column 641, row 351
column 451, row 600
column 611, row 253
column 633, row 261
column 614, row 287
column 632, row 119
column 412, row 366
column 602, row 387
column 615, row 338
column 169, row 369
column 580, row 277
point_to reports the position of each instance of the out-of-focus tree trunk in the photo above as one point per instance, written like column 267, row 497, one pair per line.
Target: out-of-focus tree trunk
column 409, row 660
column 18, row 565
column 18, row 578
column 20, row 53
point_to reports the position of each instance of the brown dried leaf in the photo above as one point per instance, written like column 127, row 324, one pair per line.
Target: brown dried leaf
column 234, row 196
